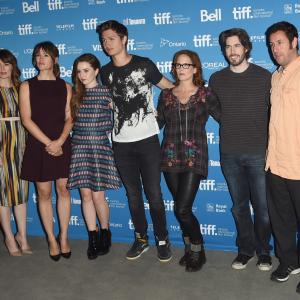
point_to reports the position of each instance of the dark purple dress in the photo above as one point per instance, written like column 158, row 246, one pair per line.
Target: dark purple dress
column 47, row 101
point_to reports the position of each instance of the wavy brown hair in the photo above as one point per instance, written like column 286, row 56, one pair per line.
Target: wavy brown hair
column 8, row 58
column 78, row 87
column 50, row 49
column 198, row 77
column 243, row 38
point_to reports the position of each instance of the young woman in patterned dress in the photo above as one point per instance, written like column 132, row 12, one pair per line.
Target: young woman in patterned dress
column 45, row 111
column 13, row 190
column 92, row 168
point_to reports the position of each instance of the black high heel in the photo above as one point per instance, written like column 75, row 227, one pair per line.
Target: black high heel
column 55, row 257
column 65, row 255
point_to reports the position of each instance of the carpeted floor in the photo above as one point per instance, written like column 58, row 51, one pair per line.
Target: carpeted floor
column 113, row 277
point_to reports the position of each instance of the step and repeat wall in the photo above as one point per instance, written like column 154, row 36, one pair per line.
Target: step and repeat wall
column 157, row 29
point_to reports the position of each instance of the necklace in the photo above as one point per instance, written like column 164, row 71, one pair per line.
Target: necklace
column 180, row 125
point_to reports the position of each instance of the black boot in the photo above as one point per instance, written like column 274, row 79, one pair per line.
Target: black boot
column 187, row 250
column 196, row 258
column 104, row 241
column 92, row 251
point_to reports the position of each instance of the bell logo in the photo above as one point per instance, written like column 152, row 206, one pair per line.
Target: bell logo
column 162, row 18
column 211, row 17
column 65, row 72
column 202, row 40
column 242, row 13
column 30, row 8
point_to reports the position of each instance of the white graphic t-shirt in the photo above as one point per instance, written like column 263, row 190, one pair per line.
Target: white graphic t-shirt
column 131, row 87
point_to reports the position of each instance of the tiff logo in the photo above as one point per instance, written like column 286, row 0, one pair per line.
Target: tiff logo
column 30, row 8
column 125, row 1
column 26, row 74
column 202, row 40
column 208, row 229
column 89, row 24
column 207, row 185
column 130, row 225
column 162, row 18
column 164, row 66
column 241, row 13
column 211, row 139
column 212, row 17
column 25, row 29
column 61, row 49
column 130, row 45
column 55, row 4
column 74, row 221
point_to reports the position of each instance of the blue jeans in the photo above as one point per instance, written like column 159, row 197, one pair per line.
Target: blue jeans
column 139, row 167
column 246, row 181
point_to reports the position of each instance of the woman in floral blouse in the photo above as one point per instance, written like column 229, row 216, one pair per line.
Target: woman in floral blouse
column 183, row 112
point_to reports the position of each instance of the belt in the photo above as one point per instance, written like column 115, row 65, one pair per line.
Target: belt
column 8, row 119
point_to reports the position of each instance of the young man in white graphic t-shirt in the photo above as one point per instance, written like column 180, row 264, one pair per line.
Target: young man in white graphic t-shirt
column 135, row 135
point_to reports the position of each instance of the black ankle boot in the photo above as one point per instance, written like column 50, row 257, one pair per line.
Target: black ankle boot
column 104, row 241
column 92, row 251
column 187, row 250
column 196, row 259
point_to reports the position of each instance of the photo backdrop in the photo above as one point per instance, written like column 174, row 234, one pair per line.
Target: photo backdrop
column 157, row 29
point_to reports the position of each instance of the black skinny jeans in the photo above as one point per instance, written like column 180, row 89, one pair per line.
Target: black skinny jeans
column 183, row 187
column 139, row 162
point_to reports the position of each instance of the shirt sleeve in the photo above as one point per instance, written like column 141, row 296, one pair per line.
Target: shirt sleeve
column 154, row 76
column 213, row 105
column 103, row 76
column 160, row 118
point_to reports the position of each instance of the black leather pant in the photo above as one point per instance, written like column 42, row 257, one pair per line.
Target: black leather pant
column 183, row 187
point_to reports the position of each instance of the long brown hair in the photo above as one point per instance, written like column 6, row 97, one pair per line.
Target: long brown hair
column 198, row 77
column 78, row 86
column 50, row 49
column 7, row 57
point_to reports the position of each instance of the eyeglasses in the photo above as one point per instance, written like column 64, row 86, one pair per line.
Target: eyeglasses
column 184, row 66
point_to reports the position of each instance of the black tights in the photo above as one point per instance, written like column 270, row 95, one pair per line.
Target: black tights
column 184, row 187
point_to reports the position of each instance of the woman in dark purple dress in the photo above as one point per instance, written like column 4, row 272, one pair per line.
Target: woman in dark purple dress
column 45, row 112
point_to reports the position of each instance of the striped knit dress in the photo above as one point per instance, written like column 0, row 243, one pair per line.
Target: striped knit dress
column 13, row 190
column 92, row 162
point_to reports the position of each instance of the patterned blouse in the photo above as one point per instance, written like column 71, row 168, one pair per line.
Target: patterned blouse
column 184, row 146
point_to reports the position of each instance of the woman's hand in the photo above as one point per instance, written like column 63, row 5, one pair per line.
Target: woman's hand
column 111, row 105
column 54, row 148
